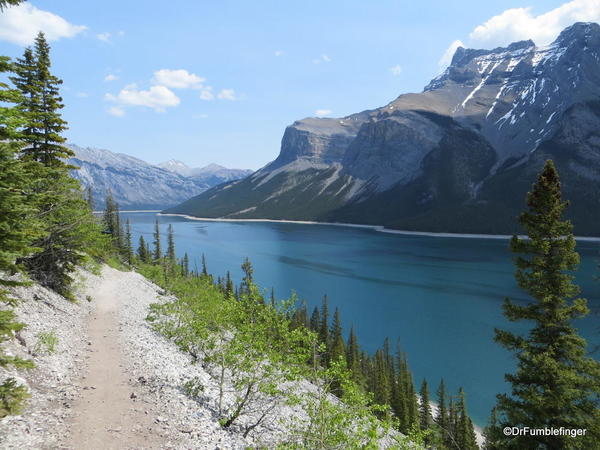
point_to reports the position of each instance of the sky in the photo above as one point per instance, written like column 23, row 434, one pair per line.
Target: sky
column 218, row 81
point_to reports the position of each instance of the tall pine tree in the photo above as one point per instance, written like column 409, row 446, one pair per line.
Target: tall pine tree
column 555, row 384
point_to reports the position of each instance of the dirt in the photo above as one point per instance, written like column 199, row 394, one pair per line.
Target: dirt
column 108, row 414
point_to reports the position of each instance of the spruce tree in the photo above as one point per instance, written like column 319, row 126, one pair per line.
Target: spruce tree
column 324, row 329
column 185, row 267
column 555, row 384
column 41, row 105
column 491, row 434
column 425, row 418
column 441, row 417
column 229, row 288
column 338, row 349
column 315, row 320
column 128, row 242
column 246, row 267
column 70, row 230
column 171, row 244
column 142, row 250
column 465, row 433
column 157, row 254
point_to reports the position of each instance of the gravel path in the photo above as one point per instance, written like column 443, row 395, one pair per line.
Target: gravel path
column 107, row 415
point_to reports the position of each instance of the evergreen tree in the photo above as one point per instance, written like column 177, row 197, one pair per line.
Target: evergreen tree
column 142, row 250
column 229, row 288
column 452, row 424
column 381, row 387
column 171, row 245
column 315, row 320
column 465, row 434
column 425, row 417
column 110, row 217
column 41, row 105
column 128, row 242
column 338, row 349
column 491, row 433
column 247, row 279
column 353, row 357
column 29, row 104
column 70, row 230
column 441, row 417
column 324, row 328
column 556, row 384
column 17, row 230
column 157, row 254
column 185, row 266
column 246, row 268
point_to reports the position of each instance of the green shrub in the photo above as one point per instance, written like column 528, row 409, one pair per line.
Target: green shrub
column 46, row 342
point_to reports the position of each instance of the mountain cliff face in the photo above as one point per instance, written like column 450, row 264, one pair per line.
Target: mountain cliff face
column 458, row 157
column 135, row 184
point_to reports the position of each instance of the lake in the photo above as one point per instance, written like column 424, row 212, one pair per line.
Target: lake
column 439, row 296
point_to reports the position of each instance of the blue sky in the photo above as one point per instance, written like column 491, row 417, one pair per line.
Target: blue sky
column 252, row 68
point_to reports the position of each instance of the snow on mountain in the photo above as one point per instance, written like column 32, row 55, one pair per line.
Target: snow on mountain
column 467, row 146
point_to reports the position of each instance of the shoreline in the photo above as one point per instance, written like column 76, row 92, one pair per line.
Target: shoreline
column 378, row 228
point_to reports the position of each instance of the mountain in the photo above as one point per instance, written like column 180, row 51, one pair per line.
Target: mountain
column 457, row 157
column 212, row 174
column 136, row 184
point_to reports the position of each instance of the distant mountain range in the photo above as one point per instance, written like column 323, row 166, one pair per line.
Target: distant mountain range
column 458, row 157
column 136, row 184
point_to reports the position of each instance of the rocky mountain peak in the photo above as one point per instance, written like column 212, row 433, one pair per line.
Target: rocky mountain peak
column 580, row 32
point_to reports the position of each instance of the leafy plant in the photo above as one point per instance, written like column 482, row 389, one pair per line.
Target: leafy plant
column 46, row 342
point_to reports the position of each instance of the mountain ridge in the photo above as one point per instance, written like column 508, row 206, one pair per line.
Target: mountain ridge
column 137, row 184
column 431, row 161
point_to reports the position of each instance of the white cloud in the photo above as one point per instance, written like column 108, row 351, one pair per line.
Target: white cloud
column 20, row 24
column 206, row 93
column 110, row 77
column 520, row 24
column 227, row 94
column 323, row 112
column 200, row 116
column 105, row 37
column 82, row 94
column 116, row 111
column 157, row 97
column 322, row 59
column 121, row 33
column 446, row 58
column 178, row 79
column 396, row 70
column 278, row 52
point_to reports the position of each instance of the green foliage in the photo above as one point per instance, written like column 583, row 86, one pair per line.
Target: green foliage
column 157, row 254
column 351, row 421
column 12, row 397
column 556, row 384
column 249, row 346
column 6, row 3
column 71, row 232
column 46, row 342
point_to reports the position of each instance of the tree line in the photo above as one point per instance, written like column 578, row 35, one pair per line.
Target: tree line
column 46, row 225
column 384, row 377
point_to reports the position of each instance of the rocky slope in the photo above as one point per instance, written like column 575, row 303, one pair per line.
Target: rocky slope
column 114, row 382
column 458, row 157
column 136, row 184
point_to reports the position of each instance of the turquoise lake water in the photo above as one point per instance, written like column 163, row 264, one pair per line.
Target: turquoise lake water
column 441, row 297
